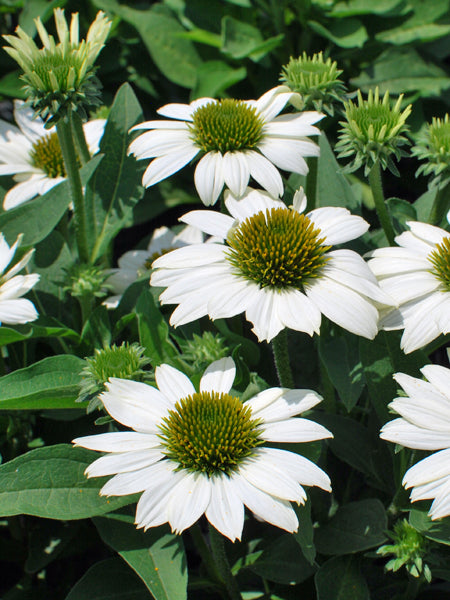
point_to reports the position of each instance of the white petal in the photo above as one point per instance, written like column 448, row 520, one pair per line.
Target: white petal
column 236, row 172
column 123, row 462
column 21, row 192
column 277, row 404
column 17, row 311
column 189, row 500
column 429, row 469
column 195, row 255
column 420, row 330
column 212, row 223
column 132, row 482
column 288, row 154
column 294, row 430
column 225, row 511
column 208, row 177
column 294, row 125
column 298, row 312
column 119, row 441
column 252, row 202
column 164, row 166
column 264, row 313
column 151, row 510
column 219, row 376
column 300, row 468
column 263, row 171
column 439, row 377
column 173, row 383
column 407, row 434
column 337, row 224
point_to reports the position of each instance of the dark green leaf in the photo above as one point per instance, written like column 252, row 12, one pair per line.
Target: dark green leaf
column 214, row 77
column 355, row 527
column 239, row 39
column 37, row 218
column 115, row 187
column 283, row 561
column 340, row 579
column 401, row 211
column 50, row 383
column 109, row 579
column 438, row 531
column 153, row 330
column 305, row 533
column 346, row 33
column 50, row 483
column 157, row 556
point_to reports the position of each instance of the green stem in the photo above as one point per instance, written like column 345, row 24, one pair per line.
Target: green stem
column 380, row 204
column 441, row 205
column 202, row 548
column 222, row 564
column 80, row 139
column 64, row 130
column 281, row 358
column 412, row 590
column 311, row 183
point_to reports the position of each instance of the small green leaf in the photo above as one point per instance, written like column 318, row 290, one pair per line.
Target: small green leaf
column 157, row 556
column 355, row 527
column 305, row 533
column 239, row 39
column 108, row 579
column 214, row 77
column 340, row 578
column 50, row 483
column 50, row 383
column 438, row 531
column 401, row 211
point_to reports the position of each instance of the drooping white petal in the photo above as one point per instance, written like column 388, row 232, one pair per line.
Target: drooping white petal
column 251, row 203
column 236, row 172
column 300, row 468
column 189, row 500
column 225, row 511
column 407, row 434
column 288, row 154
column 263, row 172
column 265, row 315
column 162, row 167
column 17, row 311
column 151, row 510
column 294, row 430
column 209, row 177
column 337, row 224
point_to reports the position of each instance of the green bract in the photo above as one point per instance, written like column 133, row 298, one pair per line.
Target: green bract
column 373, row 131
column 316, row 80
column 60, row 76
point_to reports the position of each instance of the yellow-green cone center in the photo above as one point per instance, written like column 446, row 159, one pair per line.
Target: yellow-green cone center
column 57, row 73
column 210, row 433
column 440, row 259
column 46, row 155
column 226, row 126
column 278, row 248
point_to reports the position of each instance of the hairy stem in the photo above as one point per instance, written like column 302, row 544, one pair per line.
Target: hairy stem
column 281, row 358
column 380, row 204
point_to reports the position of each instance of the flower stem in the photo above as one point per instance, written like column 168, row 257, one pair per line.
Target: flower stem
column 311, row 183
column 66, row 141
column 222, row 564
column 281, row 358
column 441, row 205
column 80, row 139
column 380, row 204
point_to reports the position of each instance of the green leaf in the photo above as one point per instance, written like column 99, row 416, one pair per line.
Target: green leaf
column 403, row 70
column 355, row 527
column 108, row 579
column 239, row 39
column 50, row 383
column 438, row 531
column 401, row 211
column 333, row 189
column 283, row 561
column 153, row 330
column 50, row 483
column 341, row 359
column 340, row 578
column 157, row 556
column 115, row 187
column 42, row 327
column 348, row 33
column 33, row 9
column 37, row 218
column 175, row 57
column 350, row 8
column 305, row 534
column 214, row 77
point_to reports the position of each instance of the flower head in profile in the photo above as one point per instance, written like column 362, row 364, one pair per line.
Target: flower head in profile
column 373, row 131
column 13, row 308
column 433, row 146
column 235, row 139
column 276, row 265
column 32, row 154
column 424, row 424
column 60, row 76
column 137, row 263
column 205, row 452
column 416, row 274
column 316, row 81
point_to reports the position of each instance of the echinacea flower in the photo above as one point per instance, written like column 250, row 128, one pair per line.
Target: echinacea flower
column 137, row 263
column 276, row 265
column 60, row 76
column 424, row 424
column 13, row 308
column 236, row 139
column 416, row 274
column 193, row 453
column 32, row 154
